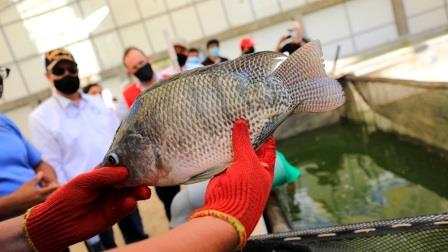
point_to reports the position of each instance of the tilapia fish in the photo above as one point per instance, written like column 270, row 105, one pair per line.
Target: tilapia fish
column 180, row 130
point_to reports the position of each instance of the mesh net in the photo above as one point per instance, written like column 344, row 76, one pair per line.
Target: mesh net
column 414, row 109
column 422, row 233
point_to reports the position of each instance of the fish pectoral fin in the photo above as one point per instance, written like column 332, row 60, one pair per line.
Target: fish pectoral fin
column 206, row 175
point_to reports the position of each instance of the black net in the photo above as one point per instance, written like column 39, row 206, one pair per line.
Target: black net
column 422, row 233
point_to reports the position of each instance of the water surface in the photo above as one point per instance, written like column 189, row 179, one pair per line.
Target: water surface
column 352, row 175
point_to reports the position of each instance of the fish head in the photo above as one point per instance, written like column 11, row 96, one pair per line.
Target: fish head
column 136, row 153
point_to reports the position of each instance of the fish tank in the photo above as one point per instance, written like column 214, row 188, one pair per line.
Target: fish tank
column 351, row 174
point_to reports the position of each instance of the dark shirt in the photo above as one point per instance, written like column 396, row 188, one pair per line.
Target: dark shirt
column 292, row 47
column 208, row 61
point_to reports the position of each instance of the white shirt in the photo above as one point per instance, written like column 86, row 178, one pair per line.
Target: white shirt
column 72, row 138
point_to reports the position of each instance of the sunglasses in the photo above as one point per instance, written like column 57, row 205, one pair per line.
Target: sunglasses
column 4, row 72
column 59, row 71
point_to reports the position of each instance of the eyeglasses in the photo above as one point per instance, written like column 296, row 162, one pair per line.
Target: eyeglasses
column 59, row 71
column 4, row 72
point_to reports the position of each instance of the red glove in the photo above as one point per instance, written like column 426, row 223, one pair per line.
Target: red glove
column 86, row 206
column 239, row 194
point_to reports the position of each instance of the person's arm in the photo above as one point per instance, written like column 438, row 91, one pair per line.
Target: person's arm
column 26, row 196
column 35, row 161
column 12, row 237
column 201, row 234
column 49, row 175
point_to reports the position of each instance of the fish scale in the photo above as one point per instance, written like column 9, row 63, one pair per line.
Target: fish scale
column 180, row 131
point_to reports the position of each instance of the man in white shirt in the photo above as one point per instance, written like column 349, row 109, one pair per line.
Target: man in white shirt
column 73, row 131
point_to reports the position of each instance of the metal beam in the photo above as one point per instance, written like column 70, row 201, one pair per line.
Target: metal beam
column 401, row 21
column 33, row 98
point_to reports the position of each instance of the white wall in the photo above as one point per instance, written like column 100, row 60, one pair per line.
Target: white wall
column 425, row 15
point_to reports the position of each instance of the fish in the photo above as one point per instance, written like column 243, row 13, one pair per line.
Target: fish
column 179, row 131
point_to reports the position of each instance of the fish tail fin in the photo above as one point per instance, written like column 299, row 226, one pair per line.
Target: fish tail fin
column 304, row 76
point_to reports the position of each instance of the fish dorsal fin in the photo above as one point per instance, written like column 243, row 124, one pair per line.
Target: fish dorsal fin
column 206, row 175
column 304, row 64
column 255, row 66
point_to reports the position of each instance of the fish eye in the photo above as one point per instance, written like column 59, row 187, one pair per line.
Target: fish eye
column 113, row 159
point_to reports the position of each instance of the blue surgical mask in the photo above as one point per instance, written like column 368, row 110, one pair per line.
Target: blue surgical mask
column 193, row 60
column 214, row 51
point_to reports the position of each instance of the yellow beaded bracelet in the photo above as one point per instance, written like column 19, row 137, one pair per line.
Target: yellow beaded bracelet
column 25, row 231
column 228, row 218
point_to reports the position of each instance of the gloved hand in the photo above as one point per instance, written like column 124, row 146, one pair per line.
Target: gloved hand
column 238, row 195
column 86, row 206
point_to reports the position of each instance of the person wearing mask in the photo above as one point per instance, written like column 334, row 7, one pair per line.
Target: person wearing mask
column 293, row 41
column 94, row 89
column 214, row 55
column 247, row 45
column 58, row 129
column 180, row 48
column 25, row 179
column 138, row 64
column 90, row 203
column 193, row 56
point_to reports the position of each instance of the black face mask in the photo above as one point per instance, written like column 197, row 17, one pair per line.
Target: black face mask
column 181, row 59
column 290, row 48
column 67, row 85
column 145, row 73
column 1, row 87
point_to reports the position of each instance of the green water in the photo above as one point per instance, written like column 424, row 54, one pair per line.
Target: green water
column 350, row 175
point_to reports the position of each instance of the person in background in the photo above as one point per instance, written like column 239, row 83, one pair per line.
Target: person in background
column 25, row 179
column 71, row 128
column 94, row 89
column 180, row 48
column 91, row 202
column 214, row 55
column 137, row 64
column 193, row 56
column 247, row 45
column 292, row 41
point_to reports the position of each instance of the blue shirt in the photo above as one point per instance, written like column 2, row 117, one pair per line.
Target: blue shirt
column 17, row 158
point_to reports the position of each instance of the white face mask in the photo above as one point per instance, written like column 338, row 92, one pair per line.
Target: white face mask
column 193, row 60
column 214, row 51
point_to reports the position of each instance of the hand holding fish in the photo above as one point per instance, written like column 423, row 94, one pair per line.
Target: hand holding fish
column 239, row 194
column 87, row 205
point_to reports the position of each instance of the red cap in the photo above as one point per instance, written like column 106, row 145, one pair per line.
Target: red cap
column 246, row 42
